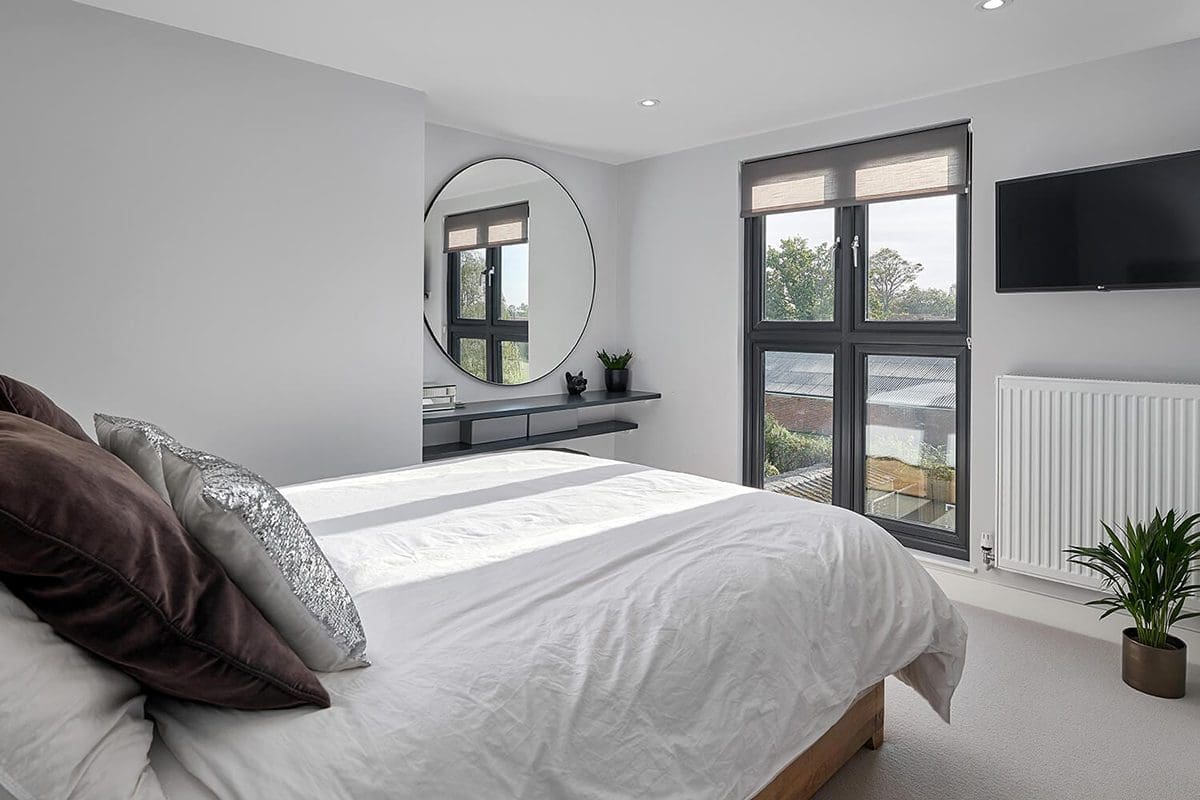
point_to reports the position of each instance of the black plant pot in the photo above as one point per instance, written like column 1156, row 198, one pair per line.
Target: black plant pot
column 616, row 380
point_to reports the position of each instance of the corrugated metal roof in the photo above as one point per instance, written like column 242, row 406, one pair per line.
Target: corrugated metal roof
column 812, row 483
column 804, row 374
column 918, row 381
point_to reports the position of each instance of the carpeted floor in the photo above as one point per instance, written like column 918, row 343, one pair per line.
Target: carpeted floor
column 1041, row 714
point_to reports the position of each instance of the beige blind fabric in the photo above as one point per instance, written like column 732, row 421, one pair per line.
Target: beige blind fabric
column 488, row 227
column 933, row 161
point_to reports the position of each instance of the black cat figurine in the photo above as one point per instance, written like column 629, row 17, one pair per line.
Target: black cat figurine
column 576, row 384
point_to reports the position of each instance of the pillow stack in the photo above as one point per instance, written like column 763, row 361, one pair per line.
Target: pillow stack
column 94, row 552
column 256, row 535
column 95, row 567
column 144, row 528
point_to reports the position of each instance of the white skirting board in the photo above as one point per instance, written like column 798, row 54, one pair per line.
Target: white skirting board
column 1044, row 608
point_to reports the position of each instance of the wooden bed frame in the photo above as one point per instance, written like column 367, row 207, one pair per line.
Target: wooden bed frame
column 861, row 726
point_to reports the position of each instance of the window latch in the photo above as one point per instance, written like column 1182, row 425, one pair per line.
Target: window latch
column 854, row 247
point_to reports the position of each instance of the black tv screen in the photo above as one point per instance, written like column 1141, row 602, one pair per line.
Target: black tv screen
column 1127, row 226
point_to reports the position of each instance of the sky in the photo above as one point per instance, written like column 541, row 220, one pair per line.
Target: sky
column 921, row 230
column 515, row 273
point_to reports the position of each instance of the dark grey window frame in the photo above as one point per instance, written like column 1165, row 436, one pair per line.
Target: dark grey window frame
column 493, row 329
column 851, row 337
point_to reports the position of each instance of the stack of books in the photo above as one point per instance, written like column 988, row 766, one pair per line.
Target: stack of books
column 439, row 397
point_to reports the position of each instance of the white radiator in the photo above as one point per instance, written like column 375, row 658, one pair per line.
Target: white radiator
column 1073, row 453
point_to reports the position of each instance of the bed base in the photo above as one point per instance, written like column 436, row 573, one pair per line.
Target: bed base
column 861, row 726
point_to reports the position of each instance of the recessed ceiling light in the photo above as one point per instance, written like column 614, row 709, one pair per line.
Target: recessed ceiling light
column 650, row 102
column 993, row 5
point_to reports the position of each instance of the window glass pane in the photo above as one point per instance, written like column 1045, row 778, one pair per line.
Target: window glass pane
column 798, row 425
column 910, row 438
column 911, row 269
column 798, row 274
column 472, row 284
column 472, row 356
column 514, row 362
column 514, row 282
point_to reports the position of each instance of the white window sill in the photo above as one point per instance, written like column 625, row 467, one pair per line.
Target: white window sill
column 941, row 562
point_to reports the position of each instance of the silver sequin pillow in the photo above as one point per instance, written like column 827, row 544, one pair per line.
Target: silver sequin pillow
column 247, row 525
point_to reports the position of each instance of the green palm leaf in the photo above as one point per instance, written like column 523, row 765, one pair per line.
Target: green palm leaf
column 1148, row 568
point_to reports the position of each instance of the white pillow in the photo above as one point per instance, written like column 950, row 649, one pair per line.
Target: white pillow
column 70, row 725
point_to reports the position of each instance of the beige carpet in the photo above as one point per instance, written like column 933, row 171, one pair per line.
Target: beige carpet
column 1040, row 715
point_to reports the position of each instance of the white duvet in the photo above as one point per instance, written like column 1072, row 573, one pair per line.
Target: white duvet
column 547, row 625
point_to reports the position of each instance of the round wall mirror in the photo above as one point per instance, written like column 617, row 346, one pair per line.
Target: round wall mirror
column 509, row 271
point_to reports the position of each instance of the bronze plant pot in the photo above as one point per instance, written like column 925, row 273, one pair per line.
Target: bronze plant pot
column 1160, row 671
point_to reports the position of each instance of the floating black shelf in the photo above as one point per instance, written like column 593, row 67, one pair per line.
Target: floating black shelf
column 436, row 452
column 525, row 407
column 522, row 406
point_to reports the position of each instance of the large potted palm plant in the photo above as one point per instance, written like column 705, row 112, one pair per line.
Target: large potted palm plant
column 1149, row 568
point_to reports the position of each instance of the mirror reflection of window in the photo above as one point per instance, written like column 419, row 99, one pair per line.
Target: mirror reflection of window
column 488, row 293
column 472, row 356
column 509, row 271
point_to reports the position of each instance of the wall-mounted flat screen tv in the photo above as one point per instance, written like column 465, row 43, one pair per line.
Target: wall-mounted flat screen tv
column 1126, row 226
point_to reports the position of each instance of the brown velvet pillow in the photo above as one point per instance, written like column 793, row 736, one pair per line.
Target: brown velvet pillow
column 87, row 545
column 21, row 398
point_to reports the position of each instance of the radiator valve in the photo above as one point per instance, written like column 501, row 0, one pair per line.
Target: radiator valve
column 989, row 555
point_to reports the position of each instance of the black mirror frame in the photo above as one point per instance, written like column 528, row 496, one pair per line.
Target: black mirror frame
column 591, row 250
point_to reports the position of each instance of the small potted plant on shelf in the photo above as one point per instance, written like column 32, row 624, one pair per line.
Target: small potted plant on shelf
column 1149, row 569
column 616, row 370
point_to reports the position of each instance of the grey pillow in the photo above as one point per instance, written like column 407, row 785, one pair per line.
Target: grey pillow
column 269, row 553
column 138, row 444
column 256, row 535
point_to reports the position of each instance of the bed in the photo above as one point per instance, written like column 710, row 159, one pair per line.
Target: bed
column 547, row 625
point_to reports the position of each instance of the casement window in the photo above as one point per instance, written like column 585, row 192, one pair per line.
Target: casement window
column 487, row 292
column 857, row 353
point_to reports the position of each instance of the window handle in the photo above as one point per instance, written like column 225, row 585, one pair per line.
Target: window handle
column 854, row 248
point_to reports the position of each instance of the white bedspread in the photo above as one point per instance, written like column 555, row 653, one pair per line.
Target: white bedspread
column 546, row 625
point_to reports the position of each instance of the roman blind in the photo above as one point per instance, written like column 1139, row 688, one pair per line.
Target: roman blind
column 925, row 162
column 488, row 227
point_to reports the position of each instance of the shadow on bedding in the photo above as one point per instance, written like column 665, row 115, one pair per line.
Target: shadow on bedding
column 417, row 509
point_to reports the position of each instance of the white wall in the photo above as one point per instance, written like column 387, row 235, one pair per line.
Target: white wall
column 593, row 185
column 683, row 259
column 220, row 240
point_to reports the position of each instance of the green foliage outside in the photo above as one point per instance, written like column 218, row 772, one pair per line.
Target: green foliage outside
column 799, row 285
column 892, row 293
column 799, row 281
column 788, row 450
